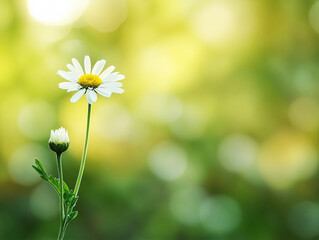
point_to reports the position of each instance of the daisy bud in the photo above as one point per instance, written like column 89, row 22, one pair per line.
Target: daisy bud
column 59, row 140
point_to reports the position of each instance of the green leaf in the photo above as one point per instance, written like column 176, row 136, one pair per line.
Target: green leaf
column 73, row 202
column 65, row 187
column 40, row 170
column 71, row 216
column 55, row 182
column 39, row 165
column 70, row 198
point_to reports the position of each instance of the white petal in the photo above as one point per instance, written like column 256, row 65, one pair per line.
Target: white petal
column 67, row 85
column 87, row 64
column 91, row 96
column 103, row 91
column 67, row 75
column 110, row 77
column 116, row 90
column 72, row 69
column 77, row 66
column 94, row 96
column 99, row 65
column 107, row 72
column 111, row 84
column 77, row 96
column 74, row 88
column 113, row 77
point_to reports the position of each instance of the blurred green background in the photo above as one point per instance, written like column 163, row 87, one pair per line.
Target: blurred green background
column 215, row 137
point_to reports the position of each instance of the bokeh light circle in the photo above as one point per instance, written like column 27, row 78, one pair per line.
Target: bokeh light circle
column 220, row 214
column 238, row 153
column 185, row 205
column 106, row 15
column 168, row 161
column 43, row 202
column 57, row 12
column 36, row 119
column 21, row 161
column 285, row 158
column 114, row 122
column 304, row 220
column 192, row 122
column 217, row 22
column 304, row 114
column 160, row 108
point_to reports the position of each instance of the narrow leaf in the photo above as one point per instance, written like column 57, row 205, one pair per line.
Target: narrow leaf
column 72, row 216
column 37, row 169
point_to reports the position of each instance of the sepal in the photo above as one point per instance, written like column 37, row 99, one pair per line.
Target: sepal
column 59, row 148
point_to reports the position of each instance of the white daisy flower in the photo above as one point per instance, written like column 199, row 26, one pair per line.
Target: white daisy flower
column 92, row 81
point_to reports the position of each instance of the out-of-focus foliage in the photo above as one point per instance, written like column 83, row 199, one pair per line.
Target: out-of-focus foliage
column 215, row 137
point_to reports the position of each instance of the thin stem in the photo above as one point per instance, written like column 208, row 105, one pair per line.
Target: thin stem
column 80, row 175
column 60, row 172
column 64, row 229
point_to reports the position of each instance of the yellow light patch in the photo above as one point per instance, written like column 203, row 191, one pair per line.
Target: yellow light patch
column 89, row 80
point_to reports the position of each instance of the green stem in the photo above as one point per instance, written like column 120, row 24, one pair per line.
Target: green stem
column 80, row 175
column 60, row 172
column 64, row 223
column 64, row 229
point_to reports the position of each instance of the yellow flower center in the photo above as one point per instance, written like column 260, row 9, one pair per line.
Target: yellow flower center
column 89, row 80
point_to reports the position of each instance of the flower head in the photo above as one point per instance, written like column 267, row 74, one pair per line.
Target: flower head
column 59, row 140
column 92, row 81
